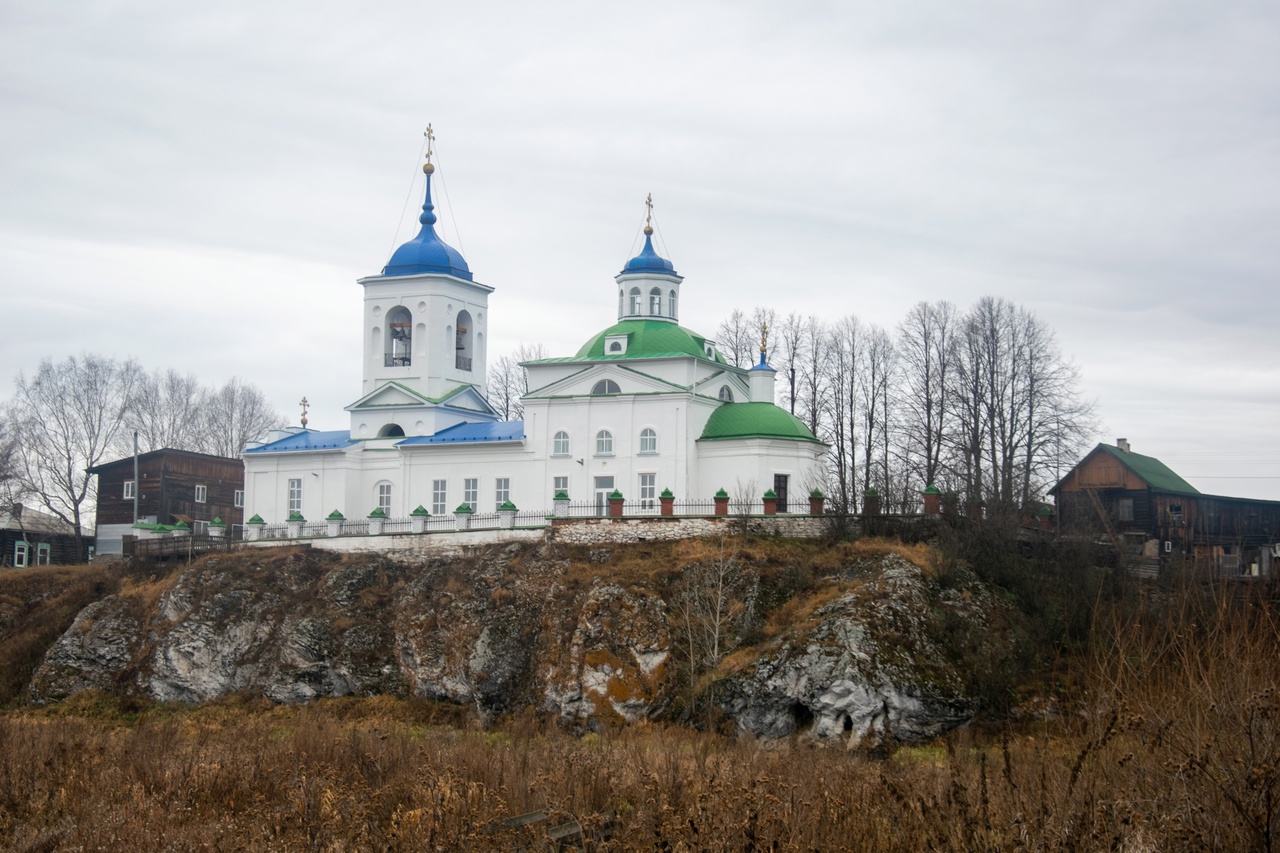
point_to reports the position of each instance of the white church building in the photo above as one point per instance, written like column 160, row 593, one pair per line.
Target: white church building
column 643, row 406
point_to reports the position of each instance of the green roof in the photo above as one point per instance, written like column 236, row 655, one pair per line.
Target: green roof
column 755, row 420
column 1153, row 472
column 645, row 339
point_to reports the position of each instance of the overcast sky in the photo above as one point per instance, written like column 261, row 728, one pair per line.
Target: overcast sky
column 200, row 186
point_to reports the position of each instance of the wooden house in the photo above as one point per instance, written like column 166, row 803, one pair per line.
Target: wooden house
column 1150, row 512
column 32, row 538
column 171, row 486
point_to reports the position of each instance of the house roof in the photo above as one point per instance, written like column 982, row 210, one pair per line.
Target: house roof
column 1158, row 476
column 755, row 420
column 471, row 433
column 166, row 451
column 19, row 517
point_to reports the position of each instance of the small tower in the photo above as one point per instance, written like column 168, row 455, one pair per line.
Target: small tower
column 648, row 287
column 425, row 317
column 761, row 378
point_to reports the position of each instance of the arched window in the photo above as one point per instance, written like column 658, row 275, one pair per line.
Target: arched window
column 606, row 386
column 604, row 443
column 726, row 393
column 621, row 301
column 671, row 304
column 399, row 337
column 655, row 302
column 391, row 431
column 560, row 444
column 648, row 441
column 463, row 340
column 616, row 346
column 635, row 300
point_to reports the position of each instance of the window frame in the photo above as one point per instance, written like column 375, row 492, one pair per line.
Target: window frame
column 21, row 554
column 648, row 491
column 130, row 489
column 655, row 301
column 648, row 436
column 44, row 553
column 556, row 448
column 605, row 386
column 202, row 493
column 384, row 497
column 471, row 492
column 501, row 492
column 237, row 498
column 560, row 483
column 634, row 302
column 604, row 443
column 294, row 495
column 439, row 497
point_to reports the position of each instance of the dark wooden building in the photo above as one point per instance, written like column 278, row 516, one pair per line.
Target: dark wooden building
column 32, row 538
column 172, row 486
column 1150, row 512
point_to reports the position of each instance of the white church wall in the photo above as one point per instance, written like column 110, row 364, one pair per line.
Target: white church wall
column 751, row 464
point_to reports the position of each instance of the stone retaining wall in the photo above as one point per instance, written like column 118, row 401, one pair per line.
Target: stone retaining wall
column 593, row 531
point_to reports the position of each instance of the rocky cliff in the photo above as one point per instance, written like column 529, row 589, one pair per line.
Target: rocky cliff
column 772, row 637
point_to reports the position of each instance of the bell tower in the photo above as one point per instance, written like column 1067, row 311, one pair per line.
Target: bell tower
column 425, row 318
column 648, row 287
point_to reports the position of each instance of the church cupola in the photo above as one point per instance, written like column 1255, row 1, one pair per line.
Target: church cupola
column 648, row 286
column 427, row 253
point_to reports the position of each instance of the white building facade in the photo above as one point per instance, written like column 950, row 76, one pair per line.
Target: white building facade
column 644, row 406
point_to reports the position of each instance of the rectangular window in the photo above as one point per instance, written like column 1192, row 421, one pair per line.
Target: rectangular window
column 238, row 498
column 295, row 495
column 648, row 491
column 439, row 497
column 384, row 497
column 129, row 491
column 1126, row 509
column 501, row 491
column 20, row 551
column 202, row 494
column 471, row 492
column 559, row 484
column 43, row 552
column 200, row 528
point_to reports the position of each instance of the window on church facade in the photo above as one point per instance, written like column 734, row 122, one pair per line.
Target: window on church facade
column 560, row 445
column 295, row 495
column 648, row 491
column 655, row 302
column 635, row 300
column 439, row 497
column 501, row 492
column 463, row 341
column 604, row 443
column 606, row 386
column 671, row 304
column 559, row 484
column 471, row 492
column 648, row 440
column 726, row 393
column 384, row 497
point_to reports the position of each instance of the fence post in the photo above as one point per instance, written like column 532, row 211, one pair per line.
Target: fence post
column 294, row 523
column 722, row 502
column 770, row 502
column 932, row 500
column 217, row 528
column 817, row 502
column 560, row 504
column 462, row 516
column 667, row 501
column 507, row 515
column 419, row 519
column 615, row 504
column 253, row 528
column 376, row 519
column 333, row 523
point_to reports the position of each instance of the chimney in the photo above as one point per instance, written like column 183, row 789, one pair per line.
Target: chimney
column 17, row 511
column 1123, row 444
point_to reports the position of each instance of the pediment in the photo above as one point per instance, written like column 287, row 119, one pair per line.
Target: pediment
column 628, row 381
column 393, row 395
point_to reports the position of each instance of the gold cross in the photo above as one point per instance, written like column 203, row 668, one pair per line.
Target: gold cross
column 764, row 337
column 303, row 403
column 431, row 140
column 648, row 202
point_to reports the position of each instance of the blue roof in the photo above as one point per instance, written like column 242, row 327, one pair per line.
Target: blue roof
column 472, row 433
column 311, row 439
column 648, row 260
column 427, row 252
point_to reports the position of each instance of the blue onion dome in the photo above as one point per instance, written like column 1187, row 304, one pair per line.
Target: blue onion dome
column 427, row 253
column 648, row 260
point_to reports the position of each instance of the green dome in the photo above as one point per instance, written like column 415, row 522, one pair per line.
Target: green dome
column 650, row 339
column 755, row 420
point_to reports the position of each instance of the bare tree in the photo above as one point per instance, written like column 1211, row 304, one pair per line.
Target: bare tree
column 167, row 411
column 812, row 375
column 874, row 382
column 233, row 416
column 67, row 418
column 926, row 351
column 736, row 339
column 843, row 366
column 504, row 387
column 790, row 343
